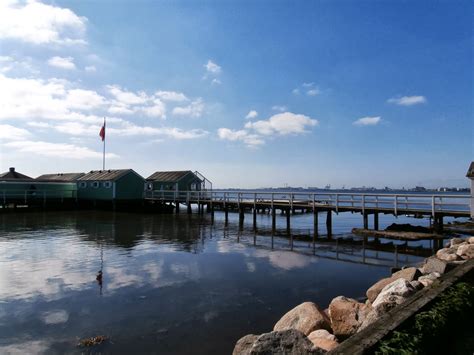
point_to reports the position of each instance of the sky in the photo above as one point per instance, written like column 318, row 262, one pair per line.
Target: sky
column 249, row 93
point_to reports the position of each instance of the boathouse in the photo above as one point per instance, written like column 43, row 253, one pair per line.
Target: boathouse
column 60, row 177
column 184, row 180
column 110, row 185
column 470, row 175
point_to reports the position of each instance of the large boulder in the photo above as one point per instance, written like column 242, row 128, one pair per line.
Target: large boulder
column 287, row 342
column 433, row 264
column 346, row 315
column 306, row 318
column 470, row 240
column 322, row 339
column 244, row 345
column 371, row 317
column 427, row 280
column 408, row 274
column 393, row 294
column 466, row 251
column 455, row 241
column 448, row 254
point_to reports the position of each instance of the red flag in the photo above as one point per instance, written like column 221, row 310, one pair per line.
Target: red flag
column 102, row 132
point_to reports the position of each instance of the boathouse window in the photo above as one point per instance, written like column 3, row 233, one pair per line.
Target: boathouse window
column 193, row 186
column 95, row 184
column 107, row 184
column 82, row 184
column 149, row 186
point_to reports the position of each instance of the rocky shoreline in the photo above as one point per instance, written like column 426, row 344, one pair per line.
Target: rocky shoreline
column 309, row 329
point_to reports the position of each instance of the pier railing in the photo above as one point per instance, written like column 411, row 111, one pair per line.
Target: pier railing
column 27, row 196
column 385, row 202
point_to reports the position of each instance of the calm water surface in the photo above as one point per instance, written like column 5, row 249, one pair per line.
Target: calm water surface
column 172, row 284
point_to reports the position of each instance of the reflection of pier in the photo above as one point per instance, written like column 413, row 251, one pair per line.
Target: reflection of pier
column 342, row 249
column 435, row 206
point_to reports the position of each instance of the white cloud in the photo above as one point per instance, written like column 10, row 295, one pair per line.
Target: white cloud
column 282, row 124
column 127, row 97
column 171, row 96
column 194, row 109
column 279, row 108
column 251, row 140
column 313, row 92
column 158, row 109
column 61, row 150
column 251, row 114
column 90, row 69
column 12, row 133
column 84, row 99
column 307, row 85
column 62, row 62
column 295, row 91
column 216, row 82
column 212, row 67
column 407, row 100
column 38, row 23
column 367, row 121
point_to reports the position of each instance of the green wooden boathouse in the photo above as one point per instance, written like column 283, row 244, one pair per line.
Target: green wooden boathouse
column 184, row 180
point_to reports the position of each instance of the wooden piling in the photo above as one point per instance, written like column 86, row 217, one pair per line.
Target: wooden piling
column 376, row 221
column 273, row 219
column 366, row 220
column 254, row 218
column 315, row 225
column 288, row 227
column 329, row 223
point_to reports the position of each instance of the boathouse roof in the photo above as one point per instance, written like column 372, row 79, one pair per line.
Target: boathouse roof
column 106, row 175
column 60, row 177
column 12, row 175
column 470, row 172
column 170, row 176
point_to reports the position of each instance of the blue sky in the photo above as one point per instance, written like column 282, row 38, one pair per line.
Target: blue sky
column 250, row 93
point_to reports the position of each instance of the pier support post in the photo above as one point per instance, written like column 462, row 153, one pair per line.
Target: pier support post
column 189, row 208
column 366, row 221
column 438, row 224
column 177, row 206
column 315, row 225
column 273, row 219
column 288, row 226
column 329, row 223
column 226, row 214
column 254, row 219
column 376, row 221
column 241, row 217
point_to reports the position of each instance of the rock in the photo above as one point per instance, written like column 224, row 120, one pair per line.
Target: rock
column 466, row 251
column 417, row 285
column 346, row 315
column 288, row 342
column 244, row 345
column 306, row 318
column 409, row 274
column 371, row 317
column 427, row 280
column 433, row 264
column 323, row 339
column 447, row 254
column 393, row 294
column 455, row 241
column 470, row 240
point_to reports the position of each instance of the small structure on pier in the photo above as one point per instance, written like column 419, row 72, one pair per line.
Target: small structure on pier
column 13, row 175
column 470, row 175
column 175, row 181
column 110, row 185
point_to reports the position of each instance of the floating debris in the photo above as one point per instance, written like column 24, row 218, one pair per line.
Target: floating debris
column 99, row 339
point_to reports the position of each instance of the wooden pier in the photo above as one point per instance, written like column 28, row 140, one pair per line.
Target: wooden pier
column 435, row 206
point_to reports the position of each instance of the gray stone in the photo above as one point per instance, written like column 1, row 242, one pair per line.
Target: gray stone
column 408, row 274
column 433, row 264
column 346, row 315
column 371, row 317
column 286, row 342
column 428, row 279
column 447, row 254
column 470, row 240
column 455, row 241
column 466, row 251
column 244, row 345
column 306, row 317
column 417, row 285
column 393, row 294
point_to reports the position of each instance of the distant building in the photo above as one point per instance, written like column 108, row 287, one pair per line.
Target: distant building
column 12, row 175
column 110, row 185
column 175, row 181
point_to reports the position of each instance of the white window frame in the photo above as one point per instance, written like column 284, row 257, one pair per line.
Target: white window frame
column 95, row 184
column 82, row 185
column 107, row 184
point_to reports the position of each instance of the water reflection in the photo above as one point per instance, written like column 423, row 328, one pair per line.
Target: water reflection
column 164, row 279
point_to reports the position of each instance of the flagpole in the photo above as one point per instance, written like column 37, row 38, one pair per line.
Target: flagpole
column 103, row 153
